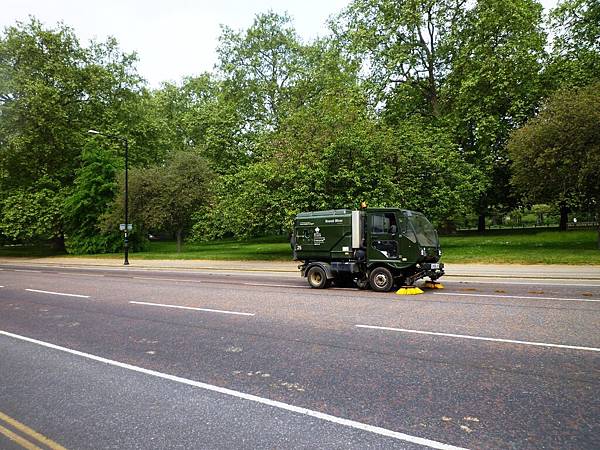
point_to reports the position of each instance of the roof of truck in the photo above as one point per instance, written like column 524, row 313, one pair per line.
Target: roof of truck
column 330, row 212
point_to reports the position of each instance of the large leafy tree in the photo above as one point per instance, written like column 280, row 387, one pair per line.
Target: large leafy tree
column 259, row 66
column 52, row 90
column 494, row 86
column 165, row 197
column 557, row 154
column 403, row 46
column 91, row 194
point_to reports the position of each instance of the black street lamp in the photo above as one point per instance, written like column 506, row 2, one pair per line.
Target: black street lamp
column 124, row 141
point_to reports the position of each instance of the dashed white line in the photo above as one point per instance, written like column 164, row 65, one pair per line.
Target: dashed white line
column 192, row 308
column 80, row 274
column 272, row 285
column 58, row 293
column 253, row 398
column 27, row 270
column 481, row 338
column 168, row 279
column 519, row 297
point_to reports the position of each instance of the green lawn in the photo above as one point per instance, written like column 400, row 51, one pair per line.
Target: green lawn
column 545, row 247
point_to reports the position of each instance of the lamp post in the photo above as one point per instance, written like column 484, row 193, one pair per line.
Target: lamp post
column 124, row 141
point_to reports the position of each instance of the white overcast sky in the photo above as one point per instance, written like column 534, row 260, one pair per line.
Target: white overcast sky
column 174, row 38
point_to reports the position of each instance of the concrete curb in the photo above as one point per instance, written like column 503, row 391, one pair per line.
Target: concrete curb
column 564, row 272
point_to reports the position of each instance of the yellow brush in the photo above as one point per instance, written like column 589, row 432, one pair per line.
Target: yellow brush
column 409, row 290
column 433, row 285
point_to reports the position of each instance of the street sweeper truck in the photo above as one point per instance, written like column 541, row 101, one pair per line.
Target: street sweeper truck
column 380, row 248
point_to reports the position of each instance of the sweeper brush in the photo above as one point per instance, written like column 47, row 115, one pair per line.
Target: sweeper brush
column 409, row 290
column 433, row 285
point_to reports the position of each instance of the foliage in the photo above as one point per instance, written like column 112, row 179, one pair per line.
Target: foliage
column 494, row 86
column 259, row 66
column 164, row 197
column 93, row 190
column 32, row 214
column 562, row 147
column 52, row 90
column 403, row 46
column 575, row 57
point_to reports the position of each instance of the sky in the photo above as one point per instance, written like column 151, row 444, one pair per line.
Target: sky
column 174, row 38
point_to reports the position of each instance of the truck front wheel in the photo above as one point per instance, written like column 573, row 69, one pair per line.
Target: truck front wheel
column 381, row 279
column 317, row 278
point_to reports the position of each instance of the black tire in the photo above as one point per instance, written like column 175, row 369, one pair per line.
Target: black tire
column 381, row 279
column 317, row 278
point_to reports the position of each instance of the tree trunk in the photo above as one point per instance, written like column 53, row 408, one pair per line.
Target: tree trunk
column 179, row 240
column 58, row 243
column 481, row 223
column 598, row 225
column 564, row 217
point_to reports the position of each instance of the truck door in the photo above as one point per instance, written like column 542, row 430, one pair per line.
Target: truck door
column 383, row 228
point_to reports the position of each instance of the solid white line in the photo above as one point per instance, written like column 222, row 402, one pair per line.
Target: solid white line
column 264, row 401
column 26, row 270
column 479, row 338
column 193, row 309
column 58, row 293
column 520, row 297
column 533, row 282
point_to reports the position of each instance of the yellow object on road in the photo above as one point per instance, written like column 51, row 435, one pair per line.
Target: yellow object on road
column 433, row 285
column 409, row 290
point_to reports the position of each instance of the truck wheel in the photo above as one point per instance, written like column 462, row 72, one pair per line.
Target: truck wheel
column 317, row 278
column 381, row 279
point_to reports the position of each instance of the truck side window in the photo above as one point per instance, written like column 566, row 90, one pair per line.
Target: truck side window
column 384, row 223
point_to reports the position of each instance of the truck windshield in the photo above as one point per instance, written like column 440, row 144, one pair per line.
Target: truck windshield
column 426, row 235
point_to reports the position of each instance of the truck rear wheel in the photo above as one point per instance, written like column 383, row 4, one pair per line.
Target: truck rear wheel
column 317, row 278
column 381, row 279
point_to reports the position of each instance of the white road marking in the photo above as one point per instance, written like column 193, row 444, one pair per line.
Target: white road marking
column 253, row 398
column 480, row 338
column 80, row 274
column 271, row 285
column 167, row 279
column 193, row 309
column 520, row 297
column 569, row 282
column 27, row 270
column 58, row 293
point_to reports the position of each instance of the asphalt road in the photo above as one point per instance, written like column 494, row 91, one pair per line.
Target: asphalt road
column 263, row 361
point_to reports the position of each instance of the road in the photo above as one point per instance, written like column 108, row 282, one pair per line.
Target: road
column 126, row 358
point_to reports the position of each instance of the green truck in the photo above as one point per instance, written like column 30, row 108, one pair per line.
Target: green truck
column 373, row 247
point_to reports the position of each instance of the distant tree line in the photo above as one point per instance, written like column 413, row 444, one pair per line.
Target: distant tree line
column 449, row 107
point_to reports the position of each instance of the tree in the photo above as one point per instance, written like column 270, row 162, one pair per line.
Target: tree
column 92, row 192
column 556, row 155
column 575, row 55
column 403, row 46
column 165, row 197
column 259, row 65
column 52, row 90
column 493, row 87
column 28, row 215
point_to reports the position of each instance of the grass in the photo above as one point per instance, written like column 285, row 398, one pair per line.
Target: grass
column 544, row 247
